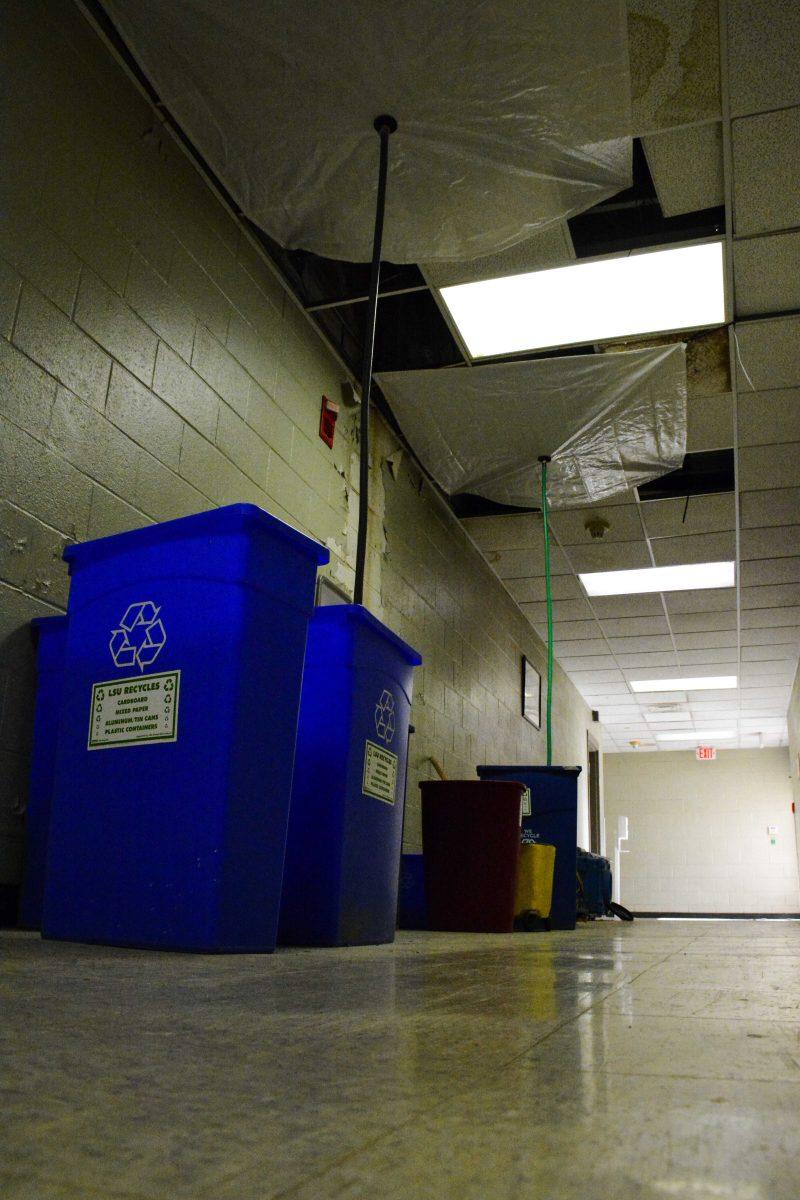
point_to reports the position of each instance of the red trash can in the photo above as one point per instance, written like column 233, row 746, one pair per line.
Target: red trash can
column 470, row 842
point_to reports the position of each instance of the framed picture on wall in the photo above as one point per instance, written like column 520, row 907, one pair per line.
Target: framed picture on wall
column 531, row 693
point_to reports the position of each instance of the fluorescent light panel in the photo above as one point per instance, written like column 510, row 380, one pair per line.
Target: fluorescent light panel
column 700, row 683
column 687, row 577
column 651, row 292
column 695, row 735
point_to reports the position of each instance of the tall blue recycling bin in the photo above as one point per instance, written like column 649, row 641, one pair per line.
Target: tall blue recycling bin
column 346, row 820
column 51, row 635
column 550, row 814
column 182, row 687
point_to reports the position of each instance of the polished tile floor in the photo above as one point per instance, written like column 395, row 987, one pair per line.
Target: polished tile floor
column 620, row 1062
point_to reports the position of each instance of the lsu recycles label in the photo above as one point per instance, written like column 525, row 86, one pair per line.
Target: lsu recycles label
column 134, row 712
column 380, row 773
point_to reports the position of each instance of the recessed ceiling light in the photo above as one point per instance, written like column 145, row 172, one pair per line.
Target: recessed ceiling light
column 695, row 735
column 687, row 577
column 651, row 291
column 699, row 683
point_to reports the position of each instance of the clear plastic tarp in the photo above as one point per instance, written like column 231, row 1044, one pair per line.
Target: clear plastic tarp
column 511, row 115
column 608, row 421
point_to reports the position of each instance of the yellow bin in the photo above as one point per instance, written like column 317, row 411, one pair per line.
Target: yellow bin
column 535, row 879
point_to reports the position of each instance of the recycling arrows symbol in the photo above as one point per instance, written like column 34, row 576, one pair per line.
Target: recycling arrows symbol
column 385, row 717
column 140, row 637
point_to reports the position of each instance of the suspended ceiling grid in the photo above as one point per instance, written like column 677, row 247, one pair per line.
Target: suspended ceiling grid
column 751, row 158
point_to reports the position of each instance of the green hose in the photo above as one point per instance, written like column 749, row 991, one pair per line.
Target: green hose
column 548, row 583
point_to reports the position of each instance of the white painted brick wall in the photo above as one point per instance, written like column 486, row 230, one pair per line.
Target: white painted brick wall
column 151, row 365
column 698, row 831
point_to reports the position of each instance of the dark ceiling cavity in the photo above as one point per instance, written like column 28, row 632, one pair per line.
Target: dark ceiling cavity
column 703, row 473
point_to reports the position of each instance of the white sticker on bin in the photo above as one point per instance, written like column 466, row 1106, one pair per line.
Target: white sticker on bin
column 134, row 712
column 380, row 773
column 526, row 803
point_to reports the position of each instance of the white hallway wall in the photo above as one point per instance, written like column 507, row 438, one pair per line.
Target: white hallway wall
column 699, row 838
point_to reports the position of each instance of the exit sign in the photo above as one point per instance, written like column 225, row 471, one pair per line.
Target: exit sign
column 706, row 753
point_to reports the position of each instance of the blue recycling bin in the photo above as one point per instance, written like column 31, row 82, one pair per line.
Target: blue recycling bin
column 183, row 671
column 550, row 814
column 412, row 909
column 346, row 820
column 51, row 644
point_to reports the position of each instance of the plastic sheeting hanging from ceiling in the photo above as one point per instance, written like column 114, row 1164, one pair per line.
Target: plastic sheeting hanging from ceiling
column 511, row 115
column 609, row 422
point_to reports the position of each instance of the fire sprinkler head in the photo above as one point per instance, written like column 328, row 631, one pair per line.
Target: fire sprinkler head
column 596, row 526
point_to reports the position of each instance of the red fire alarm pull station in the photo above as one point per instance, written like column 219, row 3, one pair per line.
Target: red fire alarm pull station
column 327, row 420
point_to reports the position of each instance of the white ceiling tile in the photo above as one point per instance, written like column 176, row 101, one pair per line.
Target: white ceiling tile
column 702, row 547
column 766, row 272
column 550, row 247
column 646, row 605
column 507, row 532
column 768, row 354
column 763, row 52
column 533, row 590
column 768, row 636
column 580, row 646
column 766, row 174
column 764, row 723
column 639, row 645
column 648, row 698
column 595, row 680
column 770, row 618
column 563, row 610
column 699, row 641
column 707, row 708
column 776, row 570
column 609, row 556
column 709, row 657
column 625, row 627
column 703, row 514
column 709, row 422
column 624, row 524
column 653, row 659
column 769, row 467
column 779, row 542
column 588, row 662
column 568, row 631
column 778, row 507
column 524, row 564
column 776, row 695
column 708, row 600
column 674, row 54
column 780, row 651
column 702, row 622
column 766, row 418
column 766, row 674
column 771, row 596
column 686, row 168
column 604, row 692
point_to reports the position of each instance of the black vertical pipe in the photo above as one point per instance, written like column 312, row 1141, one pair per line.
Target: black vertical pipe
column 385, row 126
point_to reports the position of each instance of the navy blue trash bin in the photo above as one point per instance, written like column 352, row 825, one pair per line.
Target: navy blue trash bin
column 51, row 644
column 550, row 814
column 346, row 820
column 412, row 909
column 182, row 685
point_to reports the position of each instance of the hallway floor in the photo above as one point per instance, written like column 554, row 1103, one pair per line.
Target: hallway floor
column 641, row 1062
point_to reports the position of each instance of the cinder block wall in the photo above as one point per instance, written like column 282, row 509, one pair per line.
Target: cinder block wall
column 699, row 831
column 151, row 365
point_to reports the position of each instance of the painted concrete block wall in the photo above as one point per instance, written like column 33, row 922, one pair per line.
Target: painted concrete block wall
column 699, row 838
column 151, row 365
